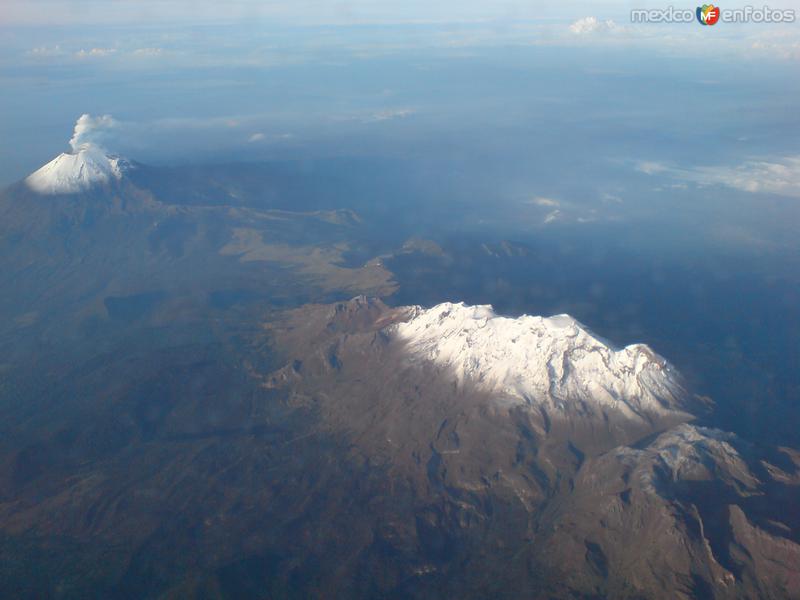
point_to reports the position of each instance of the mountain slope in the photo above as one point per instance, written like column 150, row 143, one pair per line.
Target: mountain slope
column 572, row 498
column 696, row 513
column 359, row 450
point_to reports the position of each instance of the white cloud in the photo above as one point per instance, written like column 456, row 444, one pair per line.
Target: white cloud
column 260, row 137
column 147, row 52
column 543, row 210
column 786, row 51
column 45, row 51
column 609, row 198
column 542, row 201
column 782, row 44
column 779, row 175
column 552, row 216
column 651, row 167
column 95, row 52
column 389, row 114
column 376, row 116
column 592, row 25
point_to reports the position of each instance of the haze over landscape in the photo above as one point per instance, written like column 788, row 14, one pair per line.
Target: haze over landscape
column 397, row 300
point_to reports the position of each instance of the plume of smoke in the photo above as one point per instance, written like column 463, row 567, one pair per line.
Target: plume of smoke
column 91, row 131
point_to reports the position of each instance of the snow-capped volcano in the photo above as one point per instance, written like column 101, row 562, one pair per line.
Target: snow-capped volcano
column 87, row 165
column 551, row 361
column 70, row 173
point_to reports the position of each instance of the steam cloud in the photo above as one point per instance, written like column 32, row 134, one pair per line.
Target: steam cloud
column 91, row 131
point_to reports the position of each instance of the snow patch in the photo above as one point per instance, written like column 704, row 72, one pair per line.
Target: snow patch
column 553, row 361
column 78, row 171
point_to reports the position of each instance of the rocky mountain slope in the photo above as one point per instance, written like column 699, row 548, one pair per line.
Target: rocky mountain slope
column 495, row 425
column 334, row 450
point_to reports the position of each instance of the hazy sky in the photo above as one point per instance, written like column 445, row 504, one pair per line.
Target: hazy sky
column 567, row 113
column 316, row 12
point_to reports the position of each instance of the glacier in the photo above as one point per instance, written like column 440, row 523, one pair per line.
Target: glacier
column 553, row 361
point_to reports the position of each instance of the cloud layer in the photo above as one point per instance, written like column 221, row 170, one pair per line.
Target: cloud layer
column 779, row 175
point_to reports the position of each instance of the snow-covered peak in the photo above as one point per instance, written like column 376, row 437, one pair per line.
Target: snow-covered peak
column 552, row 361
column 75, row 172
